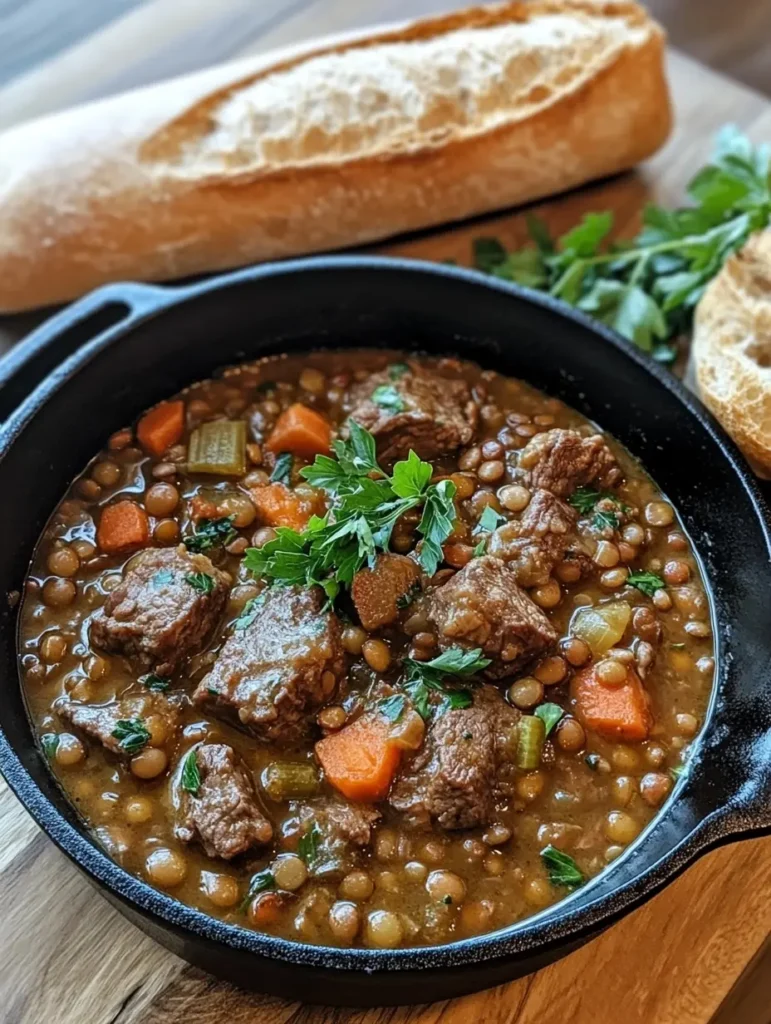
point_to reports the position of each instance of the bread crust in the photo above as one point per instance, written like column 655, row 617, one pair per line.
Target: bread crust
column 332, row 147
column 732, row 349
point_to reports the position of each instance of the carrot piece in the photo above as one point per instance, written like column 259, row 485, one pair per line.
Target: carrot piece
column 277, row 505
column 122, row 526
column 615, row 712
column 301, row 431
column 161, row 427
column 360, row 760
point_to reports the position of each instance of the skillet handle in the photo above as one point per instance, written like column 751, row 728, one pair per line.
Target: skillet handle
column 33, row 359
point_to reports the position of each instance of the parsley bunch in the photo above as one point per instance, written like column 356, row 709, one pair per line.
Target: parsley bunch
column 366, row 503
column 648, row 288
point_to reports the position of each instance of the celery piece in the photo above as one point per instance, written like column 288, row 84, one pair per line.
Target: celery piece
column 218, row 447
column 287, row 780
column 532, row 733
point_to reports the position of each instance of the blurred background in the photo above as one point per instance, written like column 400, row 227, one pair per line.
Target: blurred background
column 54, row 53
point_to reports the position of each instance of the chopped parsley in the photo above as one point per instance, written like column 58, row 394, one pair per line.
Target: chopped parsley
column 365, row 505
column 282, row 471
column 162, row 578
column 308, row 846
column 132, row 735
column 585, row 501
column 157, row 684
column 425, row 677
column 561, row 868
column 646, row 582
column 392, row 707
column 191, row 775
column 406, row 599
column 550, row 715
column 489, row 520
column 211, row 533
column 249, row 612
column 479, row 549
column 200, row 581
column 49, row 741
column 677, row 771
column 388, row 398
column 263, row 881
column 397, row 370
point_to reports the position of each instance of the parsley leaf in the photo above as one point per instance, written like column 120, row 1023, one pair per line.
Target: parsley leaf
column 411, row 477
column 561, row 868
column 200, row 581
column 157, row 684
column 489, row 520
column 308, row 846
column 647, row 582
column 603, row 520
column 282, row 471
column 49, row 741
column 549, row 714
column 162, row 578
column 388, row 398
column 249, row 613
column 191, row 776
column 132, row 735
column 211, row 533
column 647, row 288
column 424, row 676
column 263, row 881
column 392, row 707
column 436, row 524
column 584, row 499
column 397, row 370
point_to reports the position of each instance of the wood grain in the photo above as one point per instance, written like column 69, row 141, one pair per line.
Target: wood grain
column 69, row 958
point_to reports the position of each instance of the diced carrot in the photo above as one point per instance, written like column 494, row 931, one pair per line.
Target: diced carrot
column 376, row 592
column 277, row 505
column 161, row 427
column 301, row 431
column 360, row 760
column 615, row 712
column 122, row 526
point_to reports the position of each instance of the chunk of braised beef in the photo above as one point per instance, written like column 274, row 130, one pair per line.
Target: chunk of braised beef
column 164, row 608
column 544, row 536
column 416, row 410
column 272, row 676
column 341, row 832
column 561, row 460
column 223, row 815
column 121, row 726
column 482, row 605
column 377, row 593
column 463, row 768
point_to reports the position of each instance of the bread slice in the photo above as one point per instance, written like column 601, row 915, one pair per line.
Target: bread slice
column 334, row 146
column 732, row 349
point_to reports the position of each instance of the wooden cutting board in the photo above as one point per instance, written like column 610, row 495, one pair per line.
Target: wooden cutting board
column 68, row 958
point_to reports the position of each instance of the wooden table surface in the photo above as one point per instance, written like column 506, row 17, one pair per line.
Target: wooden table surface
column 697, row 953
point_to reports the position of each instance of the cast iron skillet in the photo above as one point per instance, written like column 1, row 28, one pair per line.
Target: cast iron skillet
column 151, row 342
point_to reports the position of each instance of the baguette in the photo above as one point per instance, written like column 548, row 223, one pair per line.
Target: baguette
column 732, row 349
column 336, row 146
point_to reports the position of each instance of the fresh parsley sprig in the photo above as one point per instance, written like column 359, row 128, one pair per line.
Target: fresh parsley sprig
column 648, row 288
column 423, row 677
column 561, row 868
column 365, row 505
column 646, row 582
column 211, row 533
column 586, row 500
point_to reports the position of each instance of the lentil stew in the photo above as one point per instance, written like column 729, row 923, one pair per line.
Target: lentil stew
column 365, row 648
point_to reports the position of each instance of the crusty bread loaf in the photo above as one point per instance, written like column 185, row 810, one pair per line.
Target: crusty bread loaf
column 732, row 349
column 331, row 147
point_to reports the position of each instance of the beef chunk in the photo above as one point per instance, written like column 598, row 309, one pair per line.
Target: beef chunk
column 376, row 592
column 544, row 536
column 462, row 768
column 562, row 460
column 101, row 721
column 429, row 414
column 156, row 615
column 342, row 830
column 273, row 675
column 223, row 815
column 482, row 606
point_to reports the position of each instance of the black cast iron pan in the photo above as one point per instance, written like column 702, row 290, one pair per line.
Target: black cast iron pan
column 150, row 342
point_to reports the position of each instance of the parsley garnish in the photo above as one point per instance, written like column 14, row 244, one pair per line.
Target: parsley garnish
column 200, row 581
column 405, row 600
column 549, row 714
column 191, row 776
column 647, row 582
column 388, row 398
column 422, row 677
column 49, row 741
column 249, row 612
column 282, row 471
column 131, row 734
column 308, row 846
column 261, row 882
column 648, row 288
column 211, row 533
column 561, row 868
column 677, row 771
column 366, row 504
column 392, row 707
column 161, row 578
column 585, row 501
column 155, row 683
column 489, row 520
column 397, row 370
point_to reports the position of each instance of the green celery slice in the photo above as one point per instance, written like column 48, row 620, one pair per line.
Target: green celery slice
column 218, row 447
